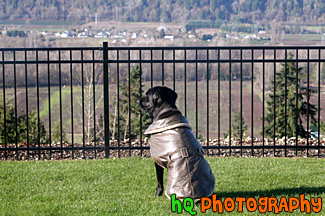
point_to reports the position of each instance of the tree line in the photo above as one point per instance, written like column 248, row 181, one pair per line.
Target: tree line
column 16, row 33
column 251, row 11
column 224, row 26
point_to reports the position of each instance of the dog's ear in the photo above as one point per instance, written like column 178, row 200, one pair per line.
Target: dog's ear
column 157, row 98
column 174, row 95
column 171, row 96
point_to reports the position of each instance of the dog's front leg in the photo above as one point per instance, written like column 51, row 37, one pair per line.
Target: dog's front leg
column 160, row 178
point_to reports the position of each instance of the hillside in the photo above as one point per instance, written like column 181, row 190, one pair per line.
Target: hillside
column 177, row 11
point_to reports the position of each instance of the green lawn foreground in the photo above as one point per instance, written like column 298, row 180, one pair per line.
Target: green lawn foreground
column 127, row 186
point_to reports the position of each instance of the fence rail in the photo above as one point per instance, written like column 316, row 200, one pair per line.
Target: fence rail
column 82, row 102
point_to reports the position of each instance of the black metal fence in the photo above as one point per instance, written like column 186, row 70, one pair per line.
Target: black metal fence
column 83, row 102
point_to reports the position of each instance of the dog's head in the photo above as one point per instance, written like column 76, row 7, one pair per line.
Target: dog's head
column 158, row 97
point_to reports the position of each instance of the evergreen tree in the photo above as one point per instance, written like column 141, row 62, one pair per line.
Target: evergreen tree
column 323, row 73
column 314, row 127
column 57, row 133
column 235, row 127
column 10, row 132
column 292, row 96
column 162, row 34
column 32, row 128
column 135, row 94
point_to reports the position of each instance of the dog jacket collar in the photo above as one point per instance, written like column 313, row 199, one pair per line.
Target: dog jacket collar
column 169, row 123
column 154, row 128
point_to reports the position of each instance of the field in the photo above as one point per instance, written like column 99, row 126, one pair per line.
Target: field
column 191, row 109
column 303, row 37
column 127, row 186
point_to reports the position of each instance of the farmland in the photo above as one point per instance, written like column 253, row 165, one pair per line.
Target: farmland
column 250, row 114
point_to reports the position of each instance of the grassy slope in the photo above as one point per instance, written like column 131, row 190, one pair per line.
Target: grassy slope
column 191, row 105
column 127, row 186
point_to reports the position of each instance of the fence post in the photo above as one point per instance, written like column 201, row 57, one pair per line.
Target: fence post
column 106, row 98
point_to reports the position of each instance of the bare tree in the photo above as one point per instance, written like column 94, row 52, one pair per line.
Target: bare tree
column 88, row 118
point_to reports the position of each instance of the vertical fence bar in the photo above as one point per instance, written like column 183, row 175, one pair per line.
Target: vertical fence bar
column 252, row 103
column 26, row 91
column 49, row 98
column 106, row 98
column 174, row 71
column 129, row 86
column 185, row 83
column 60, row 95
column 4, row 102
column 285, row 102
column 219, row 101
column 162, row 67
column 38, row 109
column 308, row 134
column 94, row 102
column 196, row 98
column 16, row 112
column 241, row 102
column 71, row 101
column 297, row 77
column 140, row 58
column 263, row 98
column 230, row 101
column 83, row 103
column 274, row 101
column 208, row 76
column 319, row 71
column 151, row 69
column 118, row 102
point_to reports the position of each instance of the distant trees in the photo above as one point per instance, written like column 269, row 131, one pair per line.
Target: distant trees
column 162, row 34
column 89, row 122
column 251, row 11
column 287, row 92
column 206, row 37
column 57, row 133
column 16, row 33
column 7, row 123
column 238, row 126
column 36, row 129
column 193, row 24
column 129, row 114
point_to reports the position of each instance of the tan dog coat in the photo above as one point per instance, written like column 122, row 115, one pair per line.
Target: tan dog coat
column 174, row 146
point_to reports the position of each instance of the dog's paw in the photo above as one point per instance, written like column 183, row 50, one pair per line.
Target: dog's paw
column 159, row 192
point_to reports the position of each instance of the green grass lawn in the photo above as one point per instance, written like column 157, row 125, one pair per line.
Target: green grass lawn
column 127, row 186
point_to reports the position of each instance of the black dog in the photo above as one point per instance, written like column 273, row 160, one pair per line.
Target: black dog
column 174, row 146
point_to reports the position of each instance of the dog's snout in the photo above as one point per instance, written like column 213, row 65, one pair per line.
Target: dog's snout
column 141, row 103
column 145, row 103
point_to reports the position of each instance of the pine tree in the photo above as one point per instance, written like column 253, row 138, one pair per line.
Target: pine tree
column 35, row 132
column 323, row 73
column 9, row 135
column 57, row 133
column 293, row 123
column 235, row 127
column 124, row 115
column 162, row 34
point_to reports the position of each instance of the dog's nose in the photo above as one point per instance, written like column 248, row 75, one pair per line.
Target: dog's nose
column 141, row 103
